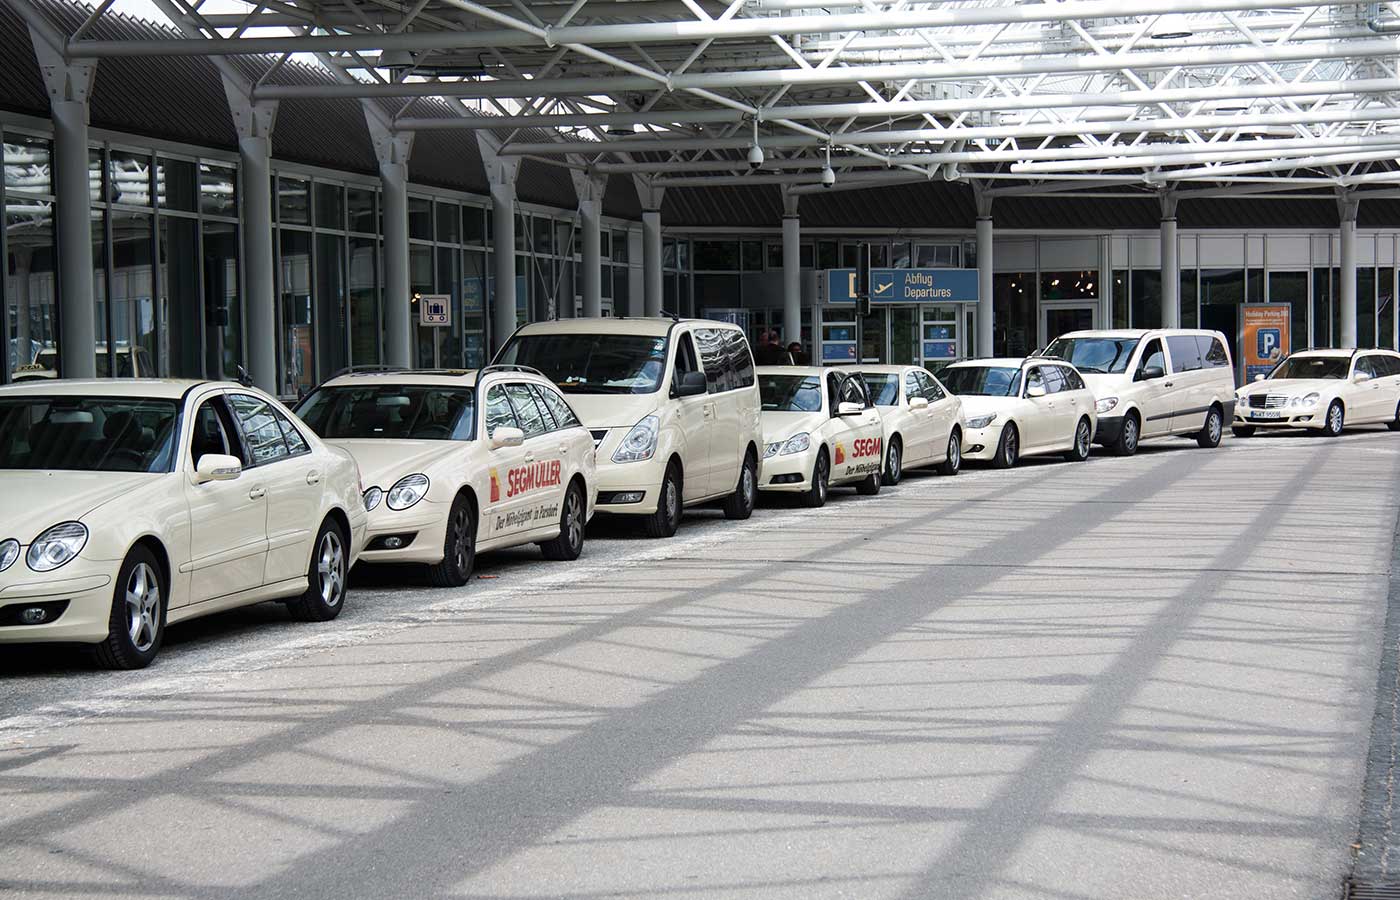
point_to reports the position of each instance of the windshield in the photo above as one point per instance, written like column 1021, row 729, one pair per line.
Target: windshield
column 983, row 381
column 1094, row 355
column 1312, row 367
column 790, row 393
column 884, row 388
column 390, row 411
column 87, row 434
column 593, row 363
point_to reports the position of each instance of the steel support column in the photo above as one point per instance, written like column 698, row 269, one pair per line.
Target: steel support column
column 1348, row 204
column 590, row 210
column 254, row 123
column 1171, row 265
column 986, row 315
column 792, row 270
column 501, row 173
column 651, row 197
column 392, row 149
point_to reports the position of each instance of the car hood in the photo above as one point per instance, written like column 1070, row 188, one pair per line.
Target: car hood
column 974, row 406
column 614, row 410
column 37, row 500
column 383, row 462
column 779, row 426
column 1105, row 385
column 1289, row 387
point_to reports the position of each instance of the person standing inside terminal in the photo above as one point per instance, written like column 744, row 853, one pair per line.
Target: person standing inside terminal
column 770, row 352
column 798, row 355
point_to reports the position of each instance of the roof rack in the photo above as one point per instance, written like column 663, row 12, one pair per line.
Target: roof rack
column 507, row 367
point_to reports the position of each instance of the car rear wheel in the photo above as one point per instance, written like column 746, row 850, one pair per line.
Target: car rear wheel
column 1209, row 436
column 821, row 482
column 894, row 462
column 1394, row 424
column 1335, row 421
column 869, row 486
column 1083, row 435
column 740, row 504
column 1008, row 448
column 327, row 577
column 458, row 547
column 667, row 519
column 953, row 462
column 1128, row 437
column 137, row 623
column 569, row 544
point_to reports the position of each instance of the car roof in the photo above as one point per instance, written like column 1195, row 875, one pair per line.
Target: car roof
column 652, row 326
column 1007, row 362
column 153, row 388
column 438, row 377
column 793, row 370
column 1117, row 332
column 880, row 368
column 1328, row 351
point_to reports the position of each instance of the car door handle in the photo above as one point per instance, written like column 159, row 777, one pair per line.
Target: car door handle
column 1167, row 384
column 563, row 448
column 257, row 493
column 529, row 457
column 313, row 477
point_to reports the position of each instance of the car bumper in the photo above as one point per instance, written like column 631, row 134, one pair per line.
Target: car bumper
column 629, row 489
column 87, row 594
column 981, row 443
column 1108, row 430
column 420, row 530
column 788, row 473
column 1304, row 418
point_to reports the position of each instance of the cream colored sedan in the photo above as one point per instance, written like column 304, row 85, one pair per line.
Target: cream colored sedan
column 819, row 430
column 1022, row 407
column 458, row 463
column 1325, row 390
column 133, row 504
column 923, row 422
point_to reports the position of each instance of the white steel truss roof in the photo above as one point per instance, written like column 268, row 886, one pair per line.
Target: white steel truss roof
column 1013, row 96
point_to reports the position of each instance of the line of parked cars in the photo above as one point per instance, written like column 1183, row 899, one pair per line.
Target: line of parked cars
column 134, row 504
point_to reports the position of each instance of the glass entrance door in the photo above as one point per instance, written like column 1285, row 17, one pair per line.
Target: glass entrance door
column 1063, row 318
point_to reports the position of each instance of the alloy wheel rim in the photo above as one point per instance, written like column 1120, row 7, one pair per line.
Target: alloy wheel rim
column 1130, row 435
column 142, row 607
column 1081, row 439
column 749, row 485
column 575, row 520
column 459, row 539
column 1216, row 426
column 671, row 511
column 1011, row 448
column 331, row 568
column 1334, row 418
column 894, row 463
column 821, row 478
column 954, row 451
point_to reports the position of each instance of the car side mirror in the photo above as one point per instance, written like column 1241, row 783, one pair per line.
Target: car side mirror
column 505, row 436
column 847, row 408
column 918, row 403
column 217, row 467
column 1150, row 372
column 691, row 384
column 1261, row 377
column 1360, row 377
column 1035, row 393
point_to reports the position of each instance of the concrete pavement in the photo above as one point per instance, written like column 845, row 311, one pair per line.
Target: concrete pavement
column 1146, row 677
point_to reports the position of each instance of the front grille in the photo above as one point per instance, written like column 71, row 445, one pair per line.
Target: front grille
column 1267, row 401
column 598, row 435
column 1256, row 401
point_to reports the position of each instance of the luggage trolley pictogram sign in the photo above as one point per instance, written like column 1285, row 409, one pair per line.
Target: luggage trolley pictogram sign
column 435, row 310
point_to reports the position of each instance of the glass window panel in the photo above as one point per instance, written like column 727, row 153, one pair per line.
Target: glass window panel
column 332, row 316
column 1013, row 304
column 449, row 281
column 753, row 256
column 223, row 314
column 449, row 223
column 1366, row 307
column 28, row 164
column 566, row 240
column 775, row 257
column 1069, row 285
column 359, row 204
column 96, row 176
column 294, row 287
column 1188, row 300
column 473, row 226
column 604, row 244
column 129, row 175
column 330, row 206
column 1222, row 295
column 683, row 255
column 420, row 218
column 1120, row 298
column 180, row 306
column 293, row 203
column 880, row 256
column 474, row 347
column 901, row 257
column 420, row 277
column 1145, row 291
column 364, row 301
column 1292, row 288
column 99, row 292
column 131, row 294
column 619, row 246
column 850, row 256
column 260, row 428
column 542, row 235
column 1322, row 310
column 30, row 296
column 1385, row 308
column 828, row 255
column 177, row 184
column 717, row 256
column 218, row 190
column 668, row 254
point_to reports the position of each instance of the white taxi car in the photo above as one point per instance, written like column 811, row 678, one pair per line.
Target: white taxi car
column 923, row 423
column 819, row 429
column 672, row 406
column 133, row 504
column 1324, row 390
column 460, row 462
column 1022, row 407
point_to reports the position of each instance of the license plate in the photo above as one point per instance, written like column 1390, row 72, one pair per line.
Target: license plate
column 1266, row 414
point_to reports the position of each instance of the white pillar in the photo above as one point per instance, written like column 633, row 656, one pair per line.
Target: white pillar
column 1348, row 204
column 254, row 123
column 590, row 189
column 398, row 281
column 792, row 270
column 636, row 275
column 503, row 319
column 653, row 286
column 1171, row 265
column 986, row 315
column 77, row 304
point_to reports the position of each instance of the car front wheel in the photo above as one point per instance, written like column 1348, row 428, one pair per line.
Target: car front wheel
column 1008, row 448
column 458, row 547
column 667, row 519
column 1335, row 421
column 137, row 623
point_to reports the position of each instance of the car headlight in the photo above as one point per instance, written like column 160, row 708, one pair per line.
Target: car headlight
column 372, row 498
column 9, row 552
column 57, row 546
column 981, row 421
column 1305, row 401
column 797, row 443
column 772, row 449
column 407, row 491
column 1105, row 404
column 640, row 442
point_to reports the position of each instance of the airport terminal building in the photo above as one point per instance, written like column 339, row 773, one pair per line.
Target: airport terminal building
column 295, row 235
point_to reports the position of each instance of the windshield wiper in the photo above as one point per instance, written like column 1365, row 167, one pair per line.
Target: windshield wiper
column 1092, row 370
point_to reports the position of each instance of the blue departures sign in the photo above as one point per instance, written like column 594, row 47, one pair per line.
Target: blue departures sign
column 905, row 285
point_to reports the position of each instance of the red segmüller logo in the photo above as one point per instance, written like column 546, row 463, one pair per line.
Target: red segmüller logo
column 532, row 477
column 866, row 447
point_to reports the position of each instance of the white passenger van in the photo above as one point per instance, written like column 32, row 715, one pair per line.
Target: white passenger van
column 672, row 404
column 1150, row 384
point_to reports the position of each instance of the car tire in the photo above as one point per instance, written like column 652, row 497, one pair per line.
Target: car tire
column 894, row 463
column 1128, row 436
column 815, row 495
column 1336, row 419
column 1394, row 424
column 458, row 547
column 953, row 462
column 568, row 546
column 869, row 486
column 740, row 504
column 1083, row 437
column 667, row 519
column 328, row 577
column 136, row 626
column 1209, row 435
column 1008, row 447
column 1242, row 431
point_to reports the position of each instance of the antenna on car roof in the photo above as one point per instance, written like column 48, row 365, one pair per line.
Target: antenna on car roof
column 674, row 317
column 244, row 378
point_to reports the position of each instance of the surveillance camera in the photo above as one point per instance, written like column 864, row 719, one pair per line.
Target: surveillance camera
column 755, row 157
column 828, row 176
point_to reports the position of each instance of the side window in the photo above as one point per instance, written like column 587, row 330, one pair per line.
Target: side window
column 1391, row 365
column 258, row 422
column 1054, row 379
column 912, row 387
column 527, row 411
column 498, row 411
column 214, row 433
column 833, row 390
column 1072, row 380
column 1213, row 354
column 718, row 372
column 1034, row 379
column 558, row 407
column 686, row 360
column 295, row 442
column 1186, row 353
column 740, row 359
column 1363, row 364
column 1152, row 355
column 932, row 389
column 852, row 391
